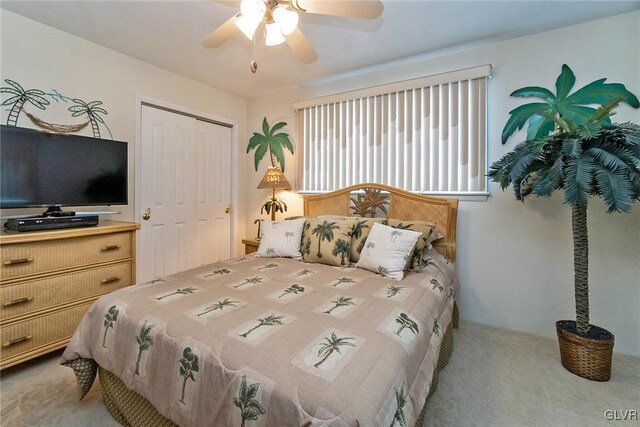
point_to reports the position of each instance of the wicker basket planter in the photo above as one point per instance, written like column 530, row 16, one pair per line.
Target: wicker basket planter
column 589, row 358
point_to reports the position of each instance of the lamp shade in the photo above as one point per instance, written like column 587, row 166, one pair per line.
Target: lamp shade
column 274, row 178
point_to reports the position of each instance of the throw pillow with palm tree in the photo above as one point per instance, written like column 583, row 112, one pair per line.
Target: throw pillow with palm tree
column 424, row 227
column 327, row 241
column 361, row 230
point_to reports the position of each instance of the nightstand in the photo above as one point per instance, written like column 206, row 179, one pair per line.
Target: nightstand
column 250, row 245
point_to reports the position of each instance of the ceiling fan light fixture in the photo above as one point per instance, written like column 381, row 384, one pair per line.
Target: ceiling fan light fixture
column 248, row 25
column 274, row 35
column 253, row 9
column 287, row 20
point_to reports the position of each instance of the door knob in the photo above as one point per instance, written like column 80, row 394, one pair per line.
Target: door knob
column 147, row 214
column 227, row 209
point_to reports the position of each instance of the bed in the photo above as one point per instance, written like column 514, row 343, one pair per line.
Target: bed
column 237, row 343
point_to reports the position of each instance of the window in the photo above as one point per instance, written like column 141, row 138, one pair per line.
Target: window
column 425, row 135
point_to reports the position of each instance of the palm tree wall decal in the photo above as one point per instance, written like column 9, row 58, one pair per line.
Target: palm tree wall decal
column 342, row 280
column 406, row 322
column 401, row 401
column 274, row 143
column 324, row 231
column 189, row 365
column 252, row 280
column 19, row 98
column 293, row 289
column 340, row 302
column 250, row 408
column 92, row 111
column 109, row 320
column 331, row 344
column 218, row 272
column 183, row 291
column 220, row 305
column 145, row 341
column 394, row 290
column 270, row 320
column 341, row 249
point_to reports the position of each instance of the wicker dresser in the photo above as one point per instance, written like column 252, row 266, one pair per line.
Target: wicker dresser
column 49, row 279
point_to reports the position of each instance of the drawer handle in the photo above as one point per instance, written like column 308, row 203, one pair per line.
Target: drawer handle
column 110, row 248
column 16, row 340
column 17, row 301
column 18, row 261
column 110, row 279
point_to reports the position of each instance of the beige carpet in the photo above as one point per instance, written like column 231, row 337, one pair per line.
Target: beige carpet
column 495, row 378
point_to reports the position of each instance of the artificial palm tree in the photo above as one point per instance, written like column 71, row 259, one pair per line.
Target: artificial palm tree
column 324, row 231
column 274, row 143
column 92, row 110
column 145, row 341
column 189, row 366
column 293, row 289
column 220, row 305
column 340, row 302
column 401, row 401
column 183, row 291
column 250, row 408
column 577, row 149
column 331, row 344
column 270, row 320
column 341, row 249
column 110, row 319
column 19, row 97
column 406, row 322
column 252, row 281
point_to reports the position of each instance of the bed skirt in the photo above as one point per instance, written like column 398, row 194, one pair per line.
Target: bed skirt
column 130, row 409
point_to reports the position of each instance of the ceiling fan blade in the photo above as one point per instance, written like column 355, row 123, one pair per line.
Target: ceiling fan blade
column 367, row 9
column 301, row 47
column 223, row 33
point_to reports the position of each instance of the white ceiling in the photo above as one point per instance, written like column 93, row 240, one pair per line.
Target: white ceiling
column 168, row 34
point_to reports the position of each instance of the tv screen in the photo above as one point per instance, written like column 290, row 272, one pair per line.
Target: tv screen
column 43, row 169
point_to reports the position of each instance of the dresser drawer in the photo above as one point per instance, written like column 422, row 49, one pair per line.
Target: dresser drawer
column 40, row 331
column 27, row 297
column 26, row 259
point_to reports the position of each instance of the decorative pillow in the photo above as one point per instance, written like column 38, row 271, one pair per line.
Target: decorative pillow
column 387, row 250
column 327, row 241
column 426, row 228
column 361, row 230
column 281, row 239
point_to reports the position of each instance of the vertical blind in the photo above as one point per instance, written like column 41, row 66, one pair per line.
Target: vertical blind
column 425, row 135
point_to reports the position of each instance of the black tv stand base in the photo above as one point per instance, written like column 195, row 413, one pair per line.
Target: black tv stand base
column 55, row 211
column 51, row 222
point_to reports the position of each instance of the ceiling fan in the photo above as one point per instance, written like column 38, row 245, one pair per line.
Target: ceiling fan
column 281, row 22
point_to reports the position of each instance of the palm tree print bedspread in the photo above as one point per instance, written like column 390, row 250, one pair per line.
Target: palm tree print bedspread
column 268, row 342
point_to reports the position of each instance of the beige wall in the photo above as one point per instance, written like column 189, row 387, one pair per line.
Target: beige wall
column 38, row 56
column 515, row 260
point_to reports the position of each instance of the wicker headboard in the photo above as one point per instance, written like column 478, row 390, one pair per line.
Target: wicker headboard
column 382, row 200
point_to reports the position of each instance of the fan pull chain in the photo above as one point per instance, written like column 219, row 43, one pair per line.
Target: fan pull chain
column 253, row 66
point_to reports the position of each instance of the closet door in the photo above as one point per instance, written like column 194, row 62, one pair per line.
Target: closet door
column 185, row 190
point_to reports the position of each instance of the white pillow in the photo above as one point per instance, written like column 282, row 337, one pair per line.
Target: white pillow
column 387, row 250
column 281, row 239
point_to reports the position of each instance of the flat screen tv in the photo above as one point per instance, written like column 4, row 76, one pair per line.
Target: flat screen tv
column 39, row 169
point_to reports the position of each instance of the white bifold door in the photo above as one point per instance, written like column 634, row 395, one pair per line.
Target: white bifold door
column 185, row 184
